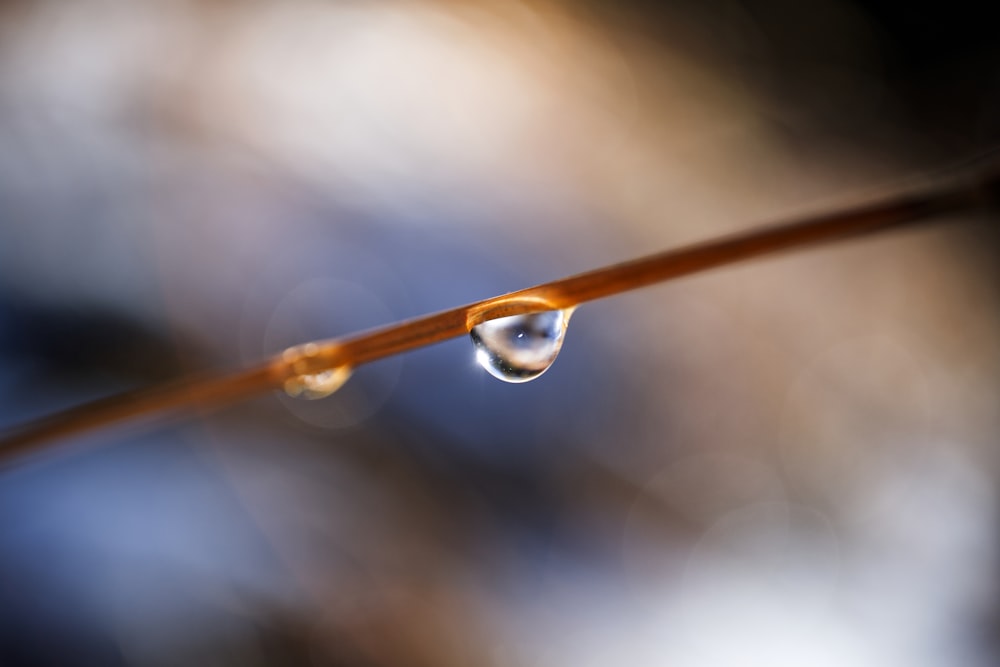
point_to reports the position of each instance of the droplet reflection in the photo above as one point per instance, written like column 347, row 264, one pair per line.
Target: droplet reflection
column 520, row 347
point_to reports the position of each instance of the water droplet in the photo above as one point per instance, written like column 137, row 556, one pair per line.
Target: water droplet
column 313, row 380
column 520, row 347
column 317, row 385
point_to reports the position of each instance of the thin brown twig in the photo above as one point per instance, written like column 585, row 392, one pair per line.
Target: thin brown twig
column 205, row 392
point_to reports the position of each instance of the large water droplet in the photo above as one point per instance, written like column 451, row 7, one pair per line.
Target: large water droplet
column 520, row 347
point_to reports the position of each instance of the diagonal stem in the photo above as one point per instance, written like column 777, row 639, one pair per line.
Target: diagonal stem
column 205, row 392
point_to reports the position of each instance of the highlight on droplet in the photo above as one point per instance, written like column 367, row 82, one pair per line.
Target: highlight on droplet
column 519, row 348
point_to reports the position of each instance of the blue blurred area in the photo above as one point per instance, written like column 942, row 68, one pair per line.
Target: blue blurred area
column 141, row 534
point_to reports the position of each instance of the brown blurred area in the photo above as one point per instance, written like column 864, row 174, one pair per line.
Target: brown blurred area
column 787, row 462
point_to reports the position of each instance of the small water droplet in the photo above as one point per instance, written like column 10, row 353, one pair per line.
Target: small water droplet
column 317, row 385
column 520, row 347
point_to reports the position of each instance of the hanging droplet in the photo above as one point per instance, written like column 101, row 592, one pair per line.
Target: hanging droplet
column 317, row 385
column 520, row 347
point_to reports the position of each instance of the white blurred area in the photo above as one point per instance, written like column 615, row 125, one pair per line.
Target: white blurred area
column 788, row 462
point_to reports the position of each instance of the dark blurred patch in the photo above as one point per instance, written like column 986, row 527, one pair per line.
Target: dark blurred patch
column 944, row 61
column 76, row 341
column 842, row 70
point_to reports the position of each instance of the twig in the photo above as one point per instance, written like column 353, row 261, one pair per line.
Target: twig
column 207, row 392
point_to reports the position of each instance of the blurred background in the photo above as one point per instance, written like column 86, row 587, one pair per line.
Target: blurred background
column 791, row 461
